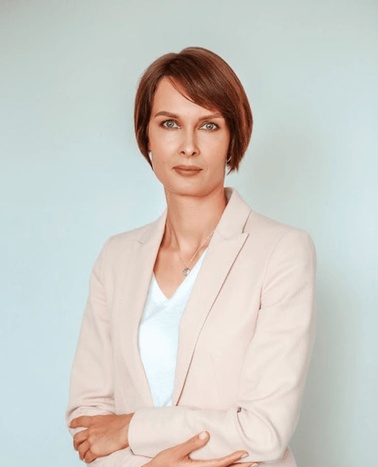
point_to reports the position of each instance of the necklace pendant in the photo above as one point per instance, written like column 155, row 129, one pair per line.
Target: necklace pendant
column 186, row 271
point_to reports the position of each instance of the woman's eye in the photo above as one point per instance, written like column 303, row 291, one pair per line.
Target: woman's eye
column 210, row 126
column 170, row 124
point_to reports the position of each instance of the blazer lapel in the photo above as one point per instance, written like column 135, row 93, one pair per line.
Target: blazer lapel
column 225, row 245
column 137, row 279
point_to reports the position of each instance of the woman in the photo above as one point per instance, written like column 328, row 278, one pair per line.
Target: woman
column 196, row 338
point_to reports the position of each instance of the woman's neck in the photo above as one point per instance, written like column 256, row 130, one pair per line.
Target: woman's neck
column 191, row 220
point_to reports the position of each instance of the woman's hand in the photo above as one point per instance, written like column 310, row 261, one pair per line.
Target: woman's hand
column 103, row 435
column 179, row 456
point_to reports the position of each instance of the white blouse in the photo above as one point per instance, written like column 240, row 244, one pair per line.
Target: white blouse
column 159, row 333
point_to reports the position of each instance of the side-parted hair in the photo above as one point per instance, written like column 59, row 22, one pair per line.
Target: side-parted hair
column 207, row 80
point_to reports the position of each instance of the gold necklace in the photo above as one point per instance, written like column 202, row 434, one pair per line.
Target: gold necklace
column 186, row 271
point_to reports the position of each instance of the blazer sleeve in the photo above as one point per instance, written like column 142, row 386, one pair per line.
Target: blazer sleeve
column 273, row 376
column 91, row 387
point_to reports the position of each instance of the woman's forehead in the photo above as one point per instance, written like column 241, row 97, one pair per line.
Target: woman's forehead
column 170, row 97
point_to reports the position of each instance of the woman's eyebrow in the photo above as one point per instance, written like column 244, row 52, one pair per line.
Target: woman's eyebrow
column 211, row 116
column 166, row 114
column 172, row 115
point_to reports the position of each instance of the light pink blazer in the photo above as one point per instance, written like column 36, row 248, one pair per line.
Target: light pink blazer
column 244, row 344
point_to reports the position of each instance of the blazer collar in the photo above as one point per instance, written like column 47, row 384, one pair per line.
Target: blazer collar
column 226, row 242
column 231, row 223
column 234, row 216
column 139, row 266
column 154, row 231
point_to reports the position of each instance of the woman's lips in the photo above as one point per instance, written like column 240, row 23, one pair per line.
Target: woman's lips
column 187, row 170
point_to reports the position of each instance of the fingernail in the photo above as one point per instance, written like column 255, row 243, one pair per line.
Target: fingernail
column 244, row 455
column 203, row 435
column 254, row 465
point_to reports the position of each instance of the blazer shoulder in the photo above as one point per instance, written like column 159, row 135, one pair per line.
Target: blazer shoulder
column 269, row 232
column 256, row 224
column 259, row 221
column 130, row 235
column 120, row 244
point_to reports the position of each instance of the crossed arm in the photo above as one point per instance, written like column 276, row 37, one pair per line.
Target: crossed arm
column 107, row 434
column 269, row 406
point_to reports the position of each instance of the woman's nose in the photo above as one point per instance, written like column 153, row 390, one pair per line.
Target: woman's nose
column 189, row 144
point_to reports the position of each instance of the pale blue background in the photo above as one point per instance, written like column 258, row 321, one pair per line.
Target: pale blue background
column 71, row 176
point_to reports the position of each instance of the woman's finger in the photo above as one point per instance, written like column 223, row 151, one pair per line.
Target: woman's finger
column 79, row 438
column 89, row 457
column 83, row 421
column 83, row 449
column 184, row 449
column 228, row 460
column 245, row 464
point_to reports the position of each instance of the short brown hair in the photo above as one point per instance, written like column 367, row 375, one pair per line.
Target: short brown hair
column 208, row 81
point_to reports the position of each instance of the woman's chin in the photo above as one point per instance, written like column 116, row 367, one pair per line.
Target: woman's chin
column 192, row 190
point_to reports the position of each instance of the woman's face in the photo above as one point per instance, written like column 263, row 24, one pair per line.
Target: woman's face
column 188, row 143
